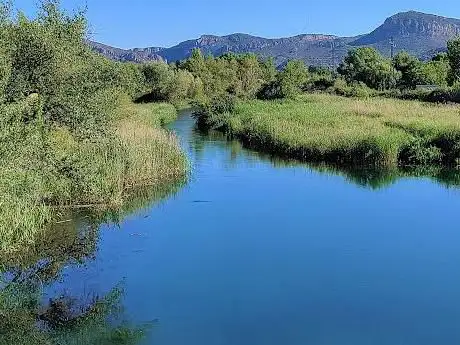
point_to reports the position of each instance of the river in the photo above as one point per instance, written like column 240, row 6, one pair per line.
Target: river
column 254, row 250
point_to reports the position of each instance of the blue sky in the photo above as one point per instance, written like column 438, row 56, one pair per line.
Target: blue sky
column 141, row 23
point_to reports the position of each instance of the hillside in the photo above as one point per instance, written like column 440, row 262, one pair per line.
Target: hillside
column 125, row 55
column 412, row 31
column 418, row 33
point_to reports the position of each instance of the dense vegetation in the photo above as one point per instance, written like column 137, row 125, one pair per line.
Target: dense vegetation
column 339, row 130
column 371, row 131
column 69, row 133
column 71, row 137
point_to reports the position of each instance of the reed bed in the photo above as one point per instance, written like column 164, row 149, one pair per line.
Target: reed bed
column 99, row 172
column 377, row 132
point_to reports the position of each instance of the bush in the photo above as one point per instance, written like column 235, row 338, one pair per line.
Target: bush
column 270, row 91
column 322, row 83
column 357, row 90
column 420, row 152
column 360, row 90
column 209, row 113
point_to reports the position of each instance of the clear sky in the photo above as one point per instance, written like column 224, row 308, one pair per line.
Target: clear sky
column 141, row 23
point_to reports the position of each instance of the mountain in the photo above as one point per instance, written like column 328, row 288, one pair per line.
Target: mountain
column 415, row 32
column 314, row 49
column 125, row 55
column 412, row 31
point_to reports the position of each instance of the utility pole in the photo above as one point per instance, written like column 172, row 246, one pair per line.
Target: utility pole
column 333, row 54
column 392, row 47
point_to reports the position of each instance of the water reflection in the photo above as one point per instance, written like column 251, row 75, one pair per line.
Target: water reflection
column 27, row 317
column 367, row 177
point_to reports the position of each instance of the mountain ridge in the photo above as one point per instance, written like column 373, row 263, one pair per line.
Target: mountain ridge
column 416, row 32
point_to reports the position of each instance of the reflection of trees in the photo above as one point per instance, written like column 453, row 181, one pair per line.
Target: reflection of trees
column 73, row 240
column 364, row 176
column 26, row 319
column 137, row 201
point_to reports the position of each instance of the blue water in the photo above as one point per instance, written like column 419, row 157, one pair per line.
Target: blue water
column 254, row 252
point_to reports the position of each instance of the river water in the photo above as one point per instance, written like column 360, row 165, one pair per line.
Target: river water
column 254, row 250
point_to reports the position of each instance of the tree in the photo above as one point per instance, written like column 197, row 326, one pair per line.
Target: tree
column 367, row 65
column 269, row 70
column 292, row 78
column 436, row 72
column 250, row 75
column 195, row 63
column 159, row 77
column 411, row 69
column 453, row 55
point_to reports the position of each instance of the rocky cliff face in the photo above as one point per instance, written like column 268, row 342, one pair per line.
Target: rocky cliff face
column 421, row 27
column 418, row 33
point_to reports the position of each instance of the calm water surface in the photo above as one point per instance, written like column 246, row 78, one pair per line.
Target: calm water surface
column 256, row 252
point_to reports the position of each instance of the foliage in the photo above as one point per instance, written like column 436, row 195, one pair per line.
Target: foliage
column 239, row 75
column 453, row 55
column 292, row 78
column 436, row 72
column 210, row 113
column 368, row 66
column 69, row 133
column 357, row 89
column 411, row 70
column 339, row 130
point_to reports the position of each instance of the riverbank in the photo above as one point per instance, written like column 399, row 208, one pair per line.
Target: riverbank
column 97, row 173
column 325, row 128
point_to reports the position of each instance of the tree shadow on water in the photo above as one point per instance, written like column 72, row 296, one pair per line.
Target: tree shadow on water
column 26, row 318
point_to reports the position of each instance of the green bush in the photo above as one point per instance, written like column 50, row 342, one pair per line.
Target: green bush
column 270, row 91
column 420, row 152
column 211, row 113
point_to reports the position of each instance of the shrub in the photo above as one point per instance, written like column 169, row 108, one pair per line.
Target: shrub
column 209, row 113
column 420, row 152
column 359, row 90
column 322, row 83
column 270, row 91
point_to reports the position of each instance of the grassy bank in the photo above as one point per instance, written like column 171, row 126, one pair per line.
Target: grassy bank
column 59, row 170
column 320, row 127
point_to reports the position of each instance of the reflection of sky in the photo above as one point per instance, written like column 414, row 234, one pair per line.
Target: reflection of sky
column 252, row 254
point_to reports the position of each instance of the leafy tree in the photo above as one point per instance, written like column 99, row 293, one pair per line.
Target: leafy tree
column 159, row 77
column 250, row 75
column 240, row 75
column 436, row 72
column 440, row 57
column 367, row 65
column 453, row 55
column 269, row 70
column 292, row 78
column 411, row 70
column 181, row 86
column 195, row 63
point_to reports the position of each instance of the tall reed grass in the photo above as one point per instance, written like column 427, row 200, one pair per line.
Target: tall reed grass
column 85, row 173
column 375, row 131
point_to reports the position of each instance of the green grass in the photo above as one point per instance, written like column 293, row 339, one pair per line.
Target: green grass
column 325, row 128
column 49, row 172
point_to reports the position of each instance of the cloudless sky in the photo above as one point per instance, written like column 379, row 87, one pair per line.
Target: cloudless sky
column 142, row 23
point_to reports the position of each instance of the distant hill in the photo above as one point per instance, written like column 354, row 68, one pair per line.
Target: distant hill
column 125, row 55
column 417, row 33
column 414, row 32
